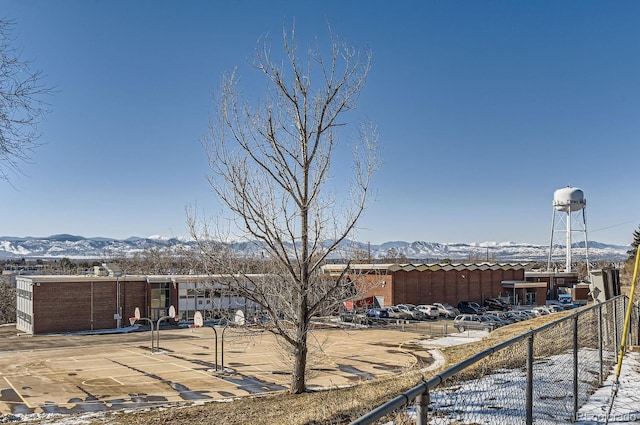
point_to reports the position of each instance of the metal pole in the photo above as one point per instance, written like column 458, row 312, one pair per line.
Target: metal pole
column 216, row 346
column 119, row 316
column 586, row 244
column 568, row 253
column 553, row 224
column 151, row 324
column 222, row 349
column 638, row 324
column 529, row 395
column 615, row 323
column 600, row 347
column 158, row 330
column 575, row 368
column 422, row 406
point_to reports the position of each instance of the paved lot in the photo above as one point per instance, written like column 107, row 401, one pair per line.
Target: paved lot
column 75, row 373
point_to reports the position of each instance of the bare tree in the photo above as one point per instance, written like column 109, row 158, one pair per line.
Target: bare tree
column 21, row 105
column 7, row 300
column 176, row 259
column 271, row 167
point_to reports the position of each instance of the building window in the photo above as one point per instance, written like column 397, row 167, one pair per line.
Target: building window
column 160, row 299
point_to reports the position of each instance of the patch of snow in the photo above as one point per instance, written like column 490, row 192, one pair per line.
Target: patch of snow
column 456, row 339
column 158, row 238
column 626, row 403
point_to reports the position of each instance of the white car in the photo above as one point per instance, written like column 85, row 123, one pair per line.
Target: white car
column 555, row 308
column 430, row 311
column 475, row 322
column 447, row 310
column 412, row 311
column 542, row 310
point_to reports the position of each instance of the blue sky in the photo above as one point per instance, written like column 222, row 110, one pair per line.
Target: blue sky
column 484, row 108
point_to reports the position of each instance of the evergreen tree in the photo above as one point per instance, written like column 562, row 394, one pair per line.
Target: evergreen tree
column 634, row 244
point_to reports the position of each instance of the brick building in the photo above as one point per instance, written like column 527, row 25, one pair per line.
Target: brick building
column 393, row 284
column 57, row 303
column 79, row 303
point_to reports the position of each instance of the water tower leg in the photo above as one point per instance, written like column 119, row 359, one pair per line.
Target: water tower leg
column 567, row 266
column 553, row 225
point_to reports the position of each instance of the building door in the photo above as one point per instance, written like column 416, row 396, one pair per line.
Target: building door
column 531, row 298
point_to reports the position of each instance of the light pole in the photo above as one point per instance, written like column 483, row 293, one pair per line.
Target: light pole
column 118, row 306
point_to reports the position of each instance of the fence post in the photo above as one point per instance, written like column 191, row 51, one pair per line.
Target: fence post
column 638, row 323
column 600, row 347
column 575, row 368
column 615, row 324
column 422, row 407
column 530, row 380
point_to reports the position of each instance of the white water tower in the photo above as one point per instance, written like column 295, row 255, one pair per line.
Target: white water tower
column 569, row 217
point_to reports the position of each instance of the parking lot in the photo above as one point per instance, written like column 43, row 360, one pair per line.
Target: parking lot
column 87, row 373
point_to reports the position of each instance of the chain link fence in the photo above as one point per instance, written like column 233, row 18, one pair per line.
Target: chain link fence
column 542, row 376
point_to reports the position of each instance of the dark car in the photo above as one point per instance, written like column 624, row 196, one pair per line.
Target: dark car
column 496, row 317
column 470, row 307
column 496, row 304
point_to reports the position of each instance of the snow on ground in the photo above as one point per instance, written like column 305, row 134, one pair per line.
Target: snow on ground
column 455, row 339
column 548, row 372
column 626, row 403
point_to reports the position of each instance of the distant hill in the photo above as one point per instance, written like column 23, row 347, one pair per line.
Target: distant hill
column 78, row 247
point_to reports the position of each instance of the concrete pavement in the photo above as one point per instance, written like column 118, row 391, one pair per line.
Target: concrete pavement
column 89, row 373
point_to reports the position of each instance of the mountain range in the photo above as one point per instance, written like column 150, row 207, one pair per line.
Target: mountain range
column 98, row 248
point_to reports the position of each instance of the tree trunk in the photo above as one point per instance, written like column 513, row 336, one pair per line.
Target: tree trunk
column 300, row 364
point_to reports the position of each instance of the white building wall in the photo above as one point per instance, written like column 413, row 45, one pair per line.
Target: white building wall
column 24, row 304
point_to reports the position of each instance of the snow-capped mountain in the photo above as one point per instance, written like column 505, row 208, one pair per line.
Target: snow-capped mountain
column 78, row 247
column 494, row 251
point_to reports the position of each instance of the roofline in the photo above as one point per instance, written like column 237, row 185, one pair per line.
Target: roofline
column 152, row 278
column 394, row 267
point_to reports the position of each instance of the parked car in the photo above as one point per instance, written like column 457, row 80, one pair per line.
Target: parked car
column 353, row 316
column 412, row 311
column 532, row 313
column 470, row 307
column 496, row 304
column 396, row 313
column 473, row 322
column 555, row 308
column 504, row 315
column 542, row 310
column 378, row 313
column 495, row 318
column 447, row 310
column 514, row 316
column 566, row 300
column 522, row 314
column 430, row 311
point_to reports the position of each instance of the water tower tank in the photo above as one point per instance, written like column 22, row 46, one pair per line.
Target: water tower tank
column 568, row 199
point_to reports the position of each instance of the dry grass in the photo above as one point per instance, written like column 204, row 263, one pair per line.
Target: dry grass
column 335, row 406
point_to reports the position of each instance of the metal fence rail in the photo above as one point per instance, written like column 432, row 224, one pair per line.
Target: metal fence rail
column 544, row 375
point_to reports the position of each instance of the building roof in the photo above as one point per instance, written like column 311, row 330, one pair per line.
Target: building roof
column 80, row 278
column 520, row 284
column 124, row 278
column 336, row 268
